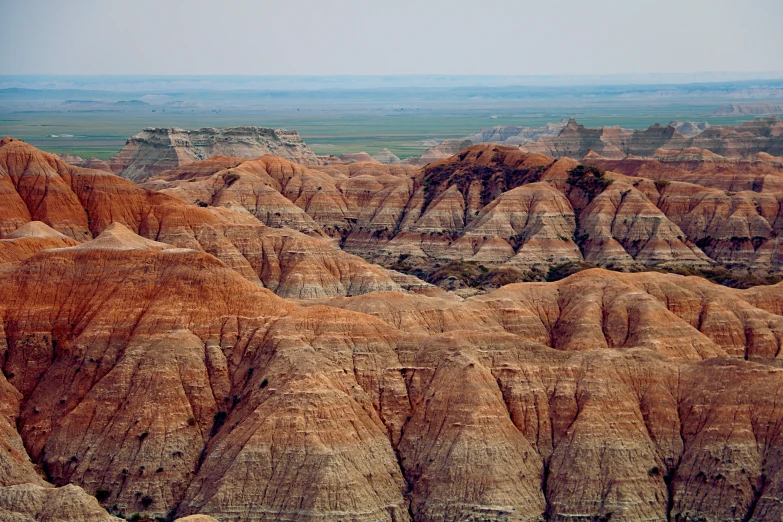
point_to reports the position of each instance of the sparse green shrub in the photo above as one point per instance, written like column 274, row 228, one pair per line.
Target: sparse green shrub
column 589, row 179
column 229, row 178
column 563, row 270
column 494, row 179
column 217, row 422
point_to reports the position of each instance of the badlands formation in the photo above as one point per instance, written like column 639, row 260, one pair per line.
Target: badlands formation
column 154, row 150
column 218, row 342
column 508, row 215
column 570, row 139
column 758, row 136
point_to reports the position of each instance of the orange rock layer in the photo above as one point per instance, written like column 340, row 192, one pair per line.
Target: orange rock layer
column 144, row 362
column 497, row 205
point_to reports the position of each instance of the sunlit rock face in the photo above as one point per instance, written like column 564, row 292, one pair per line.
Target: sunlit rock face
column 153, row 363
column 154, row 150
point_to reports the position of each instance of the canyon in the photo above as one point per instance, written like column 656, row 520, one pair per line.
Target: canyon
column 501, row 335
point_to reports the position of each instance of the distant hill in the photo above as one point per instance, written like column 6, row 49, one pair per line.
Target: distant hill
column 736, row 109
column 510, row 135
column 764, row 135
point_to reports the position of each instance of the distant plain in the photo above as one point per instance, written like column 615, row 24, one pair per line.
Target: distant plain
column 333, row 116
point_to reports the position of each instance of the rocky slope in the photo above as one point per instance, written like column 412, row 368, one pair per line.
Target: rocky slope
column 144, row 363
column 763, row 135
column 575, row 140
column 570, row 139
column 163, row 381
column 82, row 203
column 27, row 240
column 154, row 150
column 701, row 167
column 654, row 215
column 512, row 215
column 30, row 502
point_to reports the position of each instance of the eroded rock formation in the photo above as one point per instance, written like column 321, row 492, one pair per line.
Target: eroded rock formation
column 741, row 141
column 154, row 150
column 81, row 203
column 165, row 380
column 147, row 363
column 513, row 211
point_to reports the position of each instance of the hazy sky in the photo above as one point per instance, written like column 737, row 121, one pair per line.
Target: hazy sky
column 389, row 36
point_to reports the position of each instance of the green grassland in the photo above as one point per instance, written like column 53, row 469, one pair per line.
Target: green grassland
column 102, row 134
column 97, row 123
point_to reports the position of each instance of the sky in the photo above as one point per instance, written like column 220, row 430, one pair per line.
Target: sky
column 389, row 37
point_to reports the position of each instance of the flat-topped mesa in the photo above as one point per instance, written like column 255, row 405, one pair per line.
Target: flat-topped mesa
column 761, row 109
column 154, row 150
